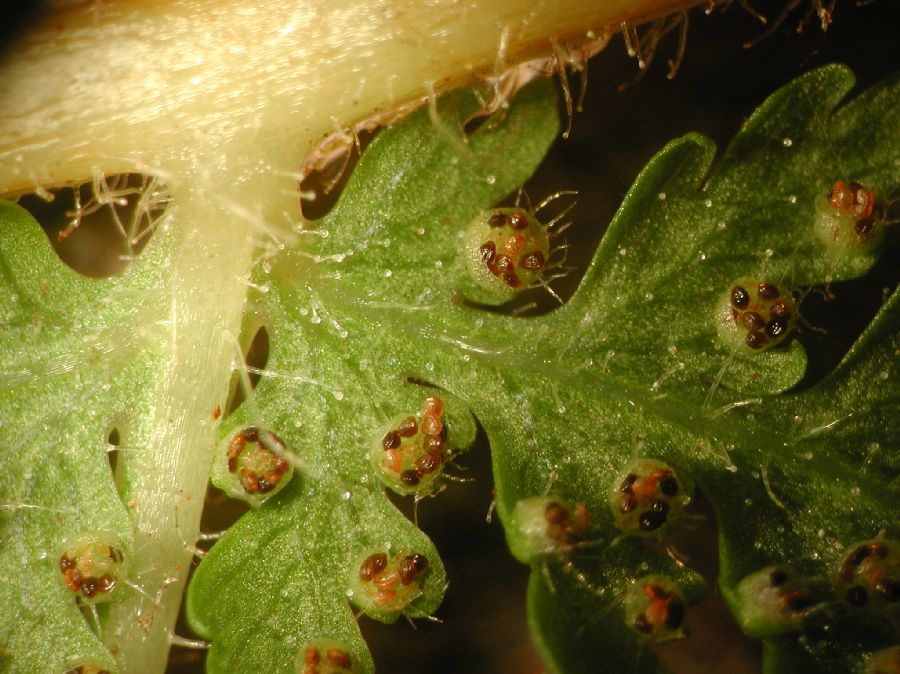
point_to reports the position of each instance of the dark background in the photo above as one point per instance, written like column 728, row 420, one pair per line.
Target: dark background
column 719, row 83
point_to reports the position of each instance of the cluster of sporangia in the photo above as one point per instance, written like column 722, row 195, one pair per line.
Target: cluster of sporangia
column 325, row 656
column 647, row 497
column 773, row 601
column 410, row 456
column 566, row 524
column 388, row 584
column 513, row 253
column 546, row 526
column 91, row 568
column 762, row 311
column 849, row 217
column 507, row 251
column 870, row 575
column 655, row 608
column 258, row 459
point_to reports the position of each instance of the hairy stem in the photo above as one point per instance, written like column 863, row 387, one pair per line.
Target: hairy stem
column 166, row 493
column 118, row 85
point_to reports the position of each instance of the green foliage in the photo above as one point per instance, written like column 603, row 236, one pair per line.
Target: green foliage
column 369, row 316
column 637, row 368
column 79, row 357
column 350, row 320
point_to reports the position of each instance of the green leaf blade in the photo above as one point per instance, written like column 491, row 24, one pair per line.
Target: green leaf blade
column 73, row 370
column 632, row 370
column 352, row 320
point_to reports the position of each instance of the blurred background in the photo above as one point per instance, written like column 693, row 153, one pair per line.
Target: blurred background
column 623, row 123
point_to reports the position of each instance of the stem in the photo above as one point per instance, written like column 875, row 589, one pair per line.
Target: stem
column 115, row 85
column 207, row 287
column 222, row 100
